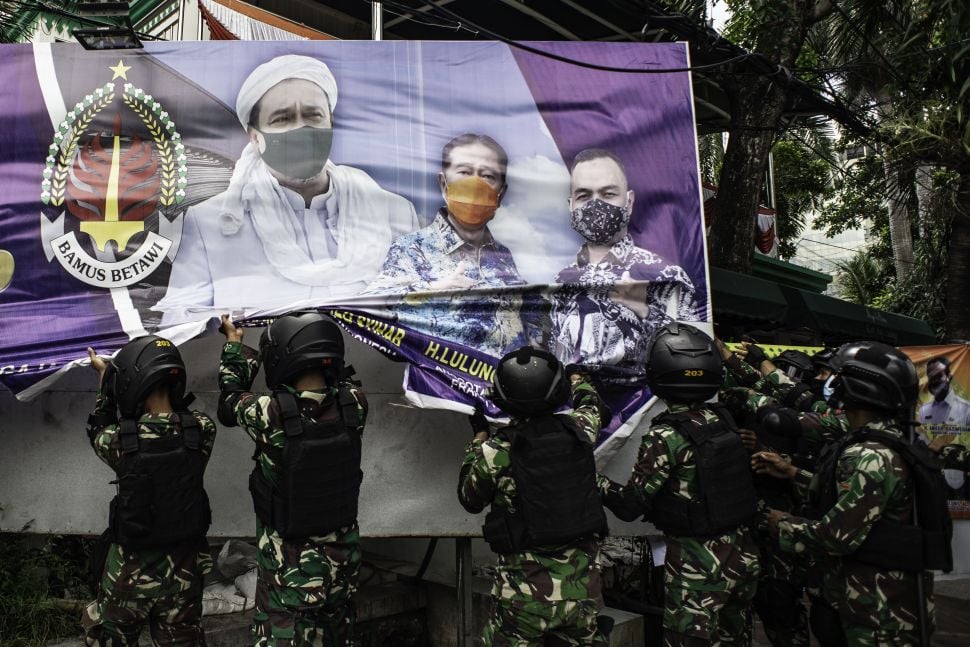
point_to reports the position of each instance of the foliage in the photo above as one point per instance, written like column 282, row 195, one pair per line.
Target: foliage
column 34, row 570
column 922, row 294
column 857, row 279
column 802, row 184
column 858, row 202
column 858, row 199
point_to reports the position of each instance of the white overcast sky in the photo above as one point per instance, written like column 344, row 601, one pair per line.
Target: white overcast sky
column 719, row 13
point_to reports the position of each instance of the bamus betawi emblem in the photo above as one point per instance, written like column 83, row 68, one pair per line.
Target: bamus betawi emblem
column 114, row 181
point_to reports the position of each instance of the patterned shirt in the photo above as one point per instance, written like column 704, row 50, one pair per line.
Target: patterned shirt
column 150, row 572
column 259, row 415
column 478, row 316
column 552, row 573
column 592, row 326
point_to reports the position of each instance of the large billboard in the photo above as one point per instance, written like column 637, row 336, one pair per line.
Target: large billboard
column 446, row 202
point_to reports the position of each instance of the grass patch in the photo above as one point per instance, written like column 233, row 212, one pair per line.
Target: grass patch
column 43, row 578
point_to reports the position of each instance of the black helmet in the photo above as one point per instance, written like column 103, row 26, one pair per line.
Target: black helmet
column 529, row 382
column 684, row 365
column 796, row 364
column 140, row 367
column 823, row 359
column 297, row 342
column 874, row 375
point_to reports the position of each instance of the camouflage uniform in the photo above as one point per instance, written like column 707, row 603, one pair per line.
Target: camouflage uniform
column 305, row 587
column 709, row 582
column 161, row 587
column 876, row 606
column 738, row 373
column 547, row 591
column 784, row 573
column 955, row 457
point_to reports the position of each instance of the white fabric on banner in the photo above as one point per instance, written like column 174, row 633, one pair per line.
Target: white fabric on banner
column 246, row 28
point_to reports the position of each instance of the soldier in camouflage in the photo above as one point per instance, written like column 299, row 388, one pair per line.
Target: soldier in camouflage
column 794, row 434
column 550, row 590
column 712, row 565
column 305, row 586
column 864, row 481
column 160, row 586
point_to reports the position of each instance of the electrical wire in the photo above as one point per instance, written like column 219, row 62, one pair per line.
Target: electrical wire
column 585, row 64
column 410, row 14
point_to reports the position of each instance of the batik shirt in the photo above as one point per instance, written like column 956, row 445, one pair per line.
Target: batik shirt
column 303, row 584
column 481, row 316
column 591, row 327
column 150, row 572
column 550, row 573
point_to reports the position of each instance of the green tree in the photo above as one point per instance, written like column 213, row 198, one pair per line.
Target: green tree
column 857, row 279
column 802, row 184
column 776, row 31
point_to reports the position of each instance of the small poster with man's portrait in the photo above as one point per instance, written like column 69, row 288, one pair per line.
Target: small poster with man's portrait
column 944, row 410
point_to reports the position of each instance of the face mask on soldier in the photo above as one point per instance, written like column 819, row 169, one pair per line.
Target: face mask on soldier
column 828, row 392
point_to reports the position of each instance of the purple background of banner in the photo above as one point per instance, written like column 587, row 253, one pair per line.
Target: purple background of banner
column 46, row 316
column 650, row 128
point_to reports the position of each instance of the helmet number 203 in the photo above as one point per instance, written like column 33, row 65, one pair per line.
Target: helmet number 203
column 693, row 373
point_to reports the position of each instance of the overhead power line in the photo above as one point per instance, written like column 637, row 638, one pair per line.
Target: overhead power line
column 571, row 61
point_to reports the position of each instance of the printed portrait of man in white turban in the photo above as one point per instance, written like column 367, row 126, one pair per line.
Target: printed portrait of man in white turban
column 292, row 227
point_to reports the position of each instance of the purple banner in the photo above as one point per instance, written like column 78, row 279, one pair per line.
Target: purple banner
column 448, row 205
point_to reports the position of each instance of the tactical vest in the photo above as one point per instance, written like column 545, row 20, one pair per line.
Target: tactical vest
column 160, row 500
column 557, row 501
column 726, row 497
column 319, row 472
column 892, row 544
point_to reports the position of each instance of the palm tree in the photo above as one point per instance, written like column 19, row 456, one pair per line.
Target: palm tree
column 858, row 278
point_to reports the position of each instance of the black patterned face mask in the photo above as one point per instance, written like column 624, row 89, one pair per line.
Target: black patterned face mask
column 598, row 222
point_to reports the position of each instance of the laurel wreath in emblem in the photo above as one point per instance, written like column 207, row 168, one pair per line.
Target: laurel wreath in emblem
column 162, row 128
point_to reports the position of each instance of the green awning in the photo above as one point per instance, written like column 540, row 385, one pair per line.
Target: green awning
column 838, row 321
column 740, row 296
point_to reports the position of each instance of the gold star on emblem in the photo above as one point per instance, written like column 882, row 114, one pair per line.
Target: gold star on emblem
column 120, row 69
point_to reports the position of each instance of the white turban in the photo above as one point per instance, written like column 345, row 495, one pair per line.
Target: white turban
column 279, row 69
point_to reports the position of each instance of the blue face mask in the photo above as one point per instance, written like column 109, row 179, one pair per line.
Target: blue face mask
column 828, row 390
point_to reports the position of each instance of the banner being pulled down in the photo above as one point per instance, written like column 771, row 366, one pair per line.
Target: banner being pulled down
column 445, row 202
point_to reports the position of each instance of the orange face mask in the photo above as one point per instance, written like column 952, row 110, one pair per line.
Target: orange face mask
column 471, row 201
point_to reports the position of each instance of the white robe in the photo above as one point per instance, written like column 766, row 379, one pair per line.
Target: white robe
column 218, row 269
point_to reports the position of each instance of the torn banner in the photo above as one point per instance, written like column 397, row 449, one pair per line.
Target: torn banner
column 445, row 201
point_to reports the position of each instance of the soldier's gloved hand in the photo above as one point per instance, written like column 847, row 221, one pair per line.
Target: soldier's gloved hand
column 478, row 422
column 754, row 355
column 734, row 399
